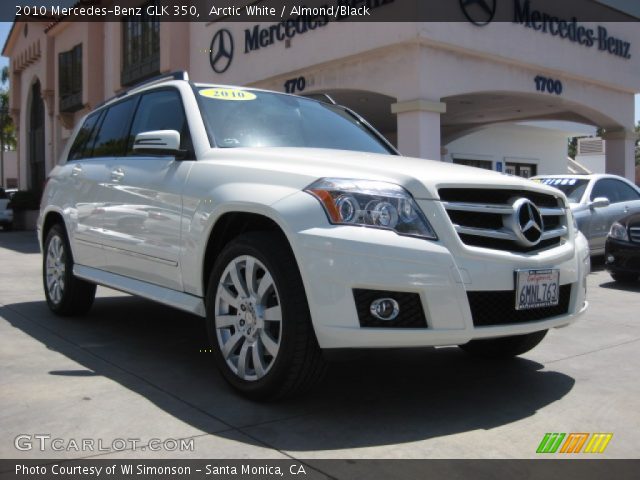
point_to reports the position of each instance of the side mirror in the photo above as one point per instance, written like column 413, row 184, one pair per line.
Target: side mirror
column 159, row 142
column 600, row 202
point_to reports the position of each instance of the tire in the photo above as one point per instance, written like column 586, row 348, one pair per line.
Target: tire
column 624, row 277
column 66, row 294
column 504, row 347
column 262, row 317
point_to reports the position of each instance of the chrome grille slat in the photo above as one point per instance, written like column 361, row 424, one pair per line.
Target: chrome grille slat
column 486, row 232
column 634, row 234
column 558, row 232
column 497, row 208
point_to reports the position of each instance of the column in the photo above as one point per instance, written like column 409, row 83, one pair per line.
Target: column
column 620, row 153
column 419, row 127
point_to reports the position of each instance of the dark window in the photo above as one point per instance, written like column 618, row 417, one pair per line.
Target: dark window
column 524, row 170
column 70, row 79
column 161, row 110
column 86, row 135
column 615, row 190
column 627, row 193
column 112, row 136
column 485, row 164
column 140, row 47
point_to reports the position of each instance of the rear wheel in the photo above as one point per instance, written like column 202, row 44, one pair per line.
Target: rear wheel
column 504, row 347
column 624, row 277
column 258, row 319
column 66, row 294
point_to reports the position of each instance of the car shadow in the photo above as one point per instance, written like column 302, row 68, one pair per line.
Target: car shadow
column 623, row 286
column 379, row 398
column 20, row 241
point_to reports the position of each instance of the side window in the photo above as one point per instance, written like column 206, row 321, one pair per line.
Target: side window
column 625, row 192
column 112, row 135
column 606, row 188
column 86, row 136
column 160, row 110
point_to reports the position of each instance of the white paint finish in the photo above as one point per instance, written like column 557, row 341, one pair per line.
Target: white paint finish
column 332, row 260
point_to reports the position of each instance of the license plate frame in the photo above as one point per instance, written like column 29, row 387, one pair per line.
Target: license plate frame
column 538, row 288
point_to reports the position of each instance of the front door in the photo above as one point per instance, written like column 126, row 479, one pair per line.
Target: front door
column 146, row 240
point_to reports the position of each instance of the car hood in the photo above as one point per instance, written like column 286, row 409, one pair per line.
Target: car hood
column 298, row 167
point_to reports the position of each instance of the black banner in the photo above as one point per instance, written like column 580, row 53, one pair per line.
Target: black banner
column 587, row 469
column 478, row 12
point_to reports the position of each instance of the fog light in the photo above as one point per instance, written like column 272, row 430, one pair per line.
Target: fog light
column 385, row 309
column 611, row 258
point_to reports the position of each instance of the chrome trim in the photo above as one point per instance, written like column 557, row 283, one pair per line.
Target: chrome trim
column 502, row 234
column 497, row 208
column 557, row 232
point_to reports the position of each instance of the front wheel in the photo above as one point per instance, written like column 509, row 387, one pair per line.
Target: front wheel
column 66, row 294
column 504, row 347
column 258, row 319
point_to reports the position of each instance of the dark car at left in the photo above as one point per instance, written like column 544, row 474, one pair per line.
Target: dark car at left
column 622, row 249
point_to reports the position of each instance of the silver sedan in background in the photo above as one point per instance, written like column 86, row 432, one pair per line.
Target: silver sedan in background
column 596, row 202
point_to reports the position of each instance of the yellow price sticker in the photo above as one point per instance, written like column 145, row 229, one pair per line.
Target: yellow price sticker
column 227, row 94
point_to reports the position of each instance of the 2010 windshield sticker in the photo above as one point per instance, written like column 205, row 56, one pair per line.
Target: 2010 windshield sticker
column 227, row 94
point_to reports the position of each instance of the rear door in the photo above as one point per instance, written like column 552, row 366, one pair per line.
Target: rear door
column 82, row 181
column 146, row 240
column 98, row 219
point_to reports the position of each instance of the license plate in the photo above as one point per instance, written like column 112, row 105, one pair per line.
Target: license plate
column 537, row 288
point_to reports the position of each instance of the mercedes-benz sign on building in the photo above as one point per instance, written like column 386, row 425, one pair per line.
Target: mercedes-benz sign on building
column 473, row 91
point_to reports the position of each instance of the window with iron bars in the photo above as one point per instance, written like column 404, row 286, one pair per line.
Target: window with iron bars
column 70, row 79
column 140, row 48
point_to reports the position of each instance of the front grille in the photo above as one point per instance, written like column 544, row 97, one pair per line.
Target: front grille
column 481, row 215
column 499, row 308
column 634, row 233
column 411, row 313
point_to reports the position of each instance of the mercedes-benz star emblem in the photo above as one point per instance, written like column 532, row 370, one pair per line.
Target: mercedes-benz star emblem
column 479, row 12
column 526, row 222
column 221, row 52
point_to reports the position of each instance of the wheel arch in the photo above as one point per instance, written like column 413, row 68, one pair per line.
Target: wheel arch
column 49, row 219
column 229, row 226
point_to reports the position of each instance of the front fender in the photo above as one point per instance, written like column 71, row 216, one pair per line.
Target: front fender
column 201, row 215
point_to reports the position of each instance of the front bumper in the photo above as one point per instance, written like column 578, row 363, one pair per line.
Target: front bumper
column 623, row 257
column 335, row 260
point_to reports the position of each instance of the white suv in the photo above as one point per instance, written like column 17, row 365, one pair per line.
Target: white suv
column 296, row 229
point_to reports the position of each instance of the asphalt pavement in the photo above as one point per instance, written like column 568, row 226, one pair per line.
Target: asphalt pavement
column 135, row 370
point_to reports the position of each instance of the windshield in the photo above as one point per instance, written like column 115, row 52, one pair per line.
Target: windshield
column 243, row 118
column 573, row 188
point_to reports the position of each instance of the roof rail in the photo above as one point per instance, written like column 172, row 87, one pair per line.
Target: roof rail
column 177, row 75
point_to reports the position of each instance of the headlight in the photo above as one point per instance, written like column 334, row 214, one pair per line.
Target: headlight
column 618, row 232
column 369, row 203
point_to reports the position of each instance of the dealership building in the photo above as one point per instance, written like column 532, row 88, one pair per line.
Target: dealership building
column 503, row 95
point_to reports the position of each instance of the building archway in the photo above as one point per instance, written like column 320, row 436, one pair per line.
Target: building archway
column 36, row 139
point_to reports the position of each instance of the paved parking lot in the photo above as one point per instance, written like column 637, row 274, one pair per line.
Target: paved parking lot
column 134, row 369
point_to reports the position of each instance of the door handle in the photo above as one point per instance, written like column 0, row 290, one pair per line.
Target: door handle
column 117, row 174
column 76, row 170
